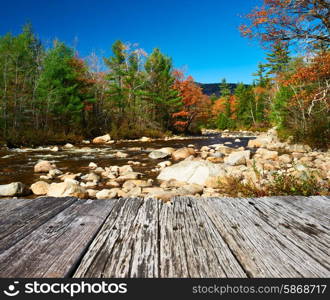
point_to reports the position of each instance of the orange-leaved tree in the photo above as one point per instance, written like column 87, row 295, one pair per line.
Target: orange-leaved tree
column 306, row 21
column 310, row 85
column 195, row 104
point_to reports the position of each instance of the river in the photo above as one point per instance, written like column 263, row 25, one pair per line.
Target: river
column 17, row 164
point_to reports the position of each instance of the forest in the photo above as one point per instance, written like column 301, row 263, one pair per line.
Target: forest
column 52, row 95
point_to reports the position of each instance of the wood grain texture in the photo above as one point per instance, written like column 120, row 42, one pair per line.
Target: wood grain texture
column 127, row 244
column 190, row 244
column 188, row 237
column 303, row 229
column 26, row 216
column 262, row 250
column 55, row 247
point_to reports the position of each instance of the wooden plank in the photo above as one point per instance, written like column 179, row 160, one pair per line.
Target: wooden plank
column 261, row 250
column 317, row 207
column 127, row 244
column 299, row 227
column 8, row 204
column 190, row 245
column 54, row 248
column 27, row 216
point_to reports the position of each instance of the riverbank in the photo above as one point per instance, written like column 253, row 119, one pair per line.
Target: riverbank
column 214, row 164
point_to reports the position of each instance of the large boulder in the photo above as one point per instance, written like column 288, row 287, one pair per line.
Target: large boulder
column 12, row 189
column 65, row 189
column 192, row 171
column 182, row 153
column 237, row 158
column 43, row 166
column 102, row 139
column 40, row 188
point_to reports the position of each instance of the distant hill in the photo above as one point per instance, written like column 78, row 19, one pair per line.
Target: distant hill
column 214, row 88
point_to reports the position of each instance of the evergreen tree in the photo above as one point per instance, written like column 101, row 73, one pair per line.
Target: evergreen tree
column 278, row 59
column 159, row 89
column 58, row 88
column 262, row 78
column 223, row 120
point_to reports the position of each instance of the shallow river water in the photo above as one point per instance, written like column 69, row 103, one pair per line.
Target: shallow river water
column 17, row 164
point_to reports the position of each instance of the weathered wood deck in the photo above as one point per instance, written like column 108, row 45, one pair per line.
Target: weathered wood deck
column 215, row 237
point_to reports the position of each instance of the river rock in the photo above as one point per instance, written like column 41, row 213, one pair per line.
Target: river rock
column 107, row 194
column 102, row 139
column 128, row 176
column 69, row 176
column 54, row 149
column 92, row 165
column 261, row 141
column 223, row 149
column 91, row 177
column 164, row 164
column 65, row 189
column 130, row 184
column 112, row 183
column 40, row 188
column 125, row 169
column 145, row 139
column 299, row 148
column 91, row 193
column 237, row 158
column 43, row 166
column 204, row 154
column 190, row 189
column 99, row 170
column 267, row 154
column 191, row 172
column 168, row 150
column 205, row 148
column 68, row 146
column 121, row 154
column 12, row 189
column 54, row 172
column 157, row 154
column 172, row 183
column 285, row 158
column 182, row 153
column 150, row 191
column 135, row 192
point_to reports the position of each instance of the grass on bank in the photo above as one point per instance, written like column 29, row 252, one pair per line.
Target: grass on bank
column 282, row 184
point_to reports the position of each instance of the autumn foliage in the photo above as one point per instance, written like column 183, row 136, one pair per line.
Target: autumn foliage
column 293, row 21
column 195, row 104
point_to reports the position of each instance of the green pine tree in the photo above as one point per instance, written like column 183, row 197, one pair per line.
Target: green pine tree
column 159, row 88
column 278, row 59
column 58, row 89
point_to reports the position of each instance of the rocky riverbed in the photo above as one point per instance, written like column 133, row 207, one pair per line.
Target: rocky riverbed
column 161, row 168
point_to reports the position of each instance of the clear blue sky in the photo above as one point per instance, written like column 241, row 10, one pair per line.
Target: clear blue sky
column 200, row 35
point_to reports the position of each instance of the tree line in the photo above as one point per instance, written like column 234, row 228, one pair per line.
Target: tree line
column 52, row 94
column 290, row 92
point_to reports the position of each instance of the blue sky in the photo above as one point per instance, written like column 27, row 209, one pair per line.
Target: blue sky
column 201, row 36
